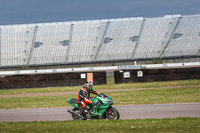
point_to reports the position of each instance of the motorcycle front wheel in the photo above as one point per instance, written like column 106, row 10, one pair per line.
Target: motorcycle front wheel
column 112, row 114
column 76, row 117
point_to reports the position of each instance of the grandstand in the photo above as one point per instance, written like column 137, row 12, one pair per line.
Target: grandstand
column 93, row 41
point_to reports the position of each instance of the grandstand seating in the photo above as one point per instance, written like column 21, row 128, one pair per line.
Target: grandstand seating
column 50, row 37
column 15, row 41
column 99, row 40
column 83, row 41
column 155, row 32
column 120, row 46
column 189, row 42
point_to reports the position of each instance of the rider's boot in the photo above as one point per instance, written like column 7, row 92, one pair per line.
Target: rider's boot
column 84, row 112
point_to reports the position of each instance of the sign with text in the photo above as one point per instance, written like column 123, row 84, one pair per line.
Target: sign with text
column 140, row 74
column 127, row 75
column 83, row 75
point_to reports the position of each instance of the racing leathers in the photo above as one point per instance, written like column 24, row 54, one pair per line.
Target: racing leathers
column 84, row 97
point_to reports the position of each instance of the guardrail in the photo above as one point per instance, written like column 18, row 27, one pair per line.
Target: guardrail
column 92, row 69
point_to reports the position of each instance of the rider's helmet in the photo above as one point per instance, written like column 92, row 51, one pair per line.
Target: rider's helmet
column 88, row 85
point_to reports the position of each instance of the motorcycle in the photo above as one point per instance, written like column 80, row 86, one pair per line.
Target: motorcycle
column 102, row 110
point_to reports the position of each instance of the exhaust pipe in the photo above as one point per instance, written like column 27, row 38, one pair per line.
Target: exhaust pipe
column 72, row 112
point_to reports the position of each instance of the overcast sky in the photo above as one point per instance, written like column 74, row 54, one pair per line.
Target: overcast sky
column 37, row 11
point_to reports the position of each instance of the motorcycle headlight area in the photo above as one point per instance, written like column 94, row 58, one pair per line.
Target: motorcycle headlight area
column 109, row 102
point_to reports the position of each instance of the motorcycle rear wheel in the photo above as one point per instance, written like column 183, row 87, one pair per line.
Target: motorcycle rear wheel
column 76, row 117
column 112, row 114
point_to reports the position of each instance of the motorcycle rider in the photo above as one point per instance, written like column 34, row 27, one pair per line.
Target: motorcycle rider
column 84, row 97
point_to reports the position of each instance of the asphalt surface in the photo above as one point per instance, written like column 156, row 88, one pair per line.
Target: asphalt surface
column 158, row 111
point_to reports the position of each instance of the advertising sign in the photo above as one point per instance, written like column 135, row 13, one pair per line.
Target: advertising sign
column 83, row 75
column 127, row 75
column 140, row 74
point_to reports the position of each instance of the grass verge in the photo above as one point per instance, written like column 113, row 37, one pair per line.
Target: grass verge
column 157, row 96
column 176, row 125
column 101, row 87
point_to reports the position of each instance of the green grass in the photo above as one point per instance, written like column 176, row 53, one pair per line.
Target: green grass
column 176, row 125
column 101, row 87
column 110, row 81
column 177, row 95
column 156, row 96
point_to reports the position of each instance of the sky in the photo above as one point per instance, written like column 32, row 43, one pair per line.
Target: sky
column 40, row 11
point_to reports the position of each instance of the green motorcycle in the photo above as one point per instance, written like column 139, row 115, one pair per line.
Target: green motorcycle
column 102, row 110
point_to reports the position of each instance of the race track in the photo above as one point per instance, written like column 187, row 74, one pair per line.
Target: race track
column 127, row 112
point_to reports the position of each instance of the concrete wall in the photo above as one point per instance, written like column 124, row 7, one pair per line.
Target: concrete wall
column 49, row 80
column 158, row 75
